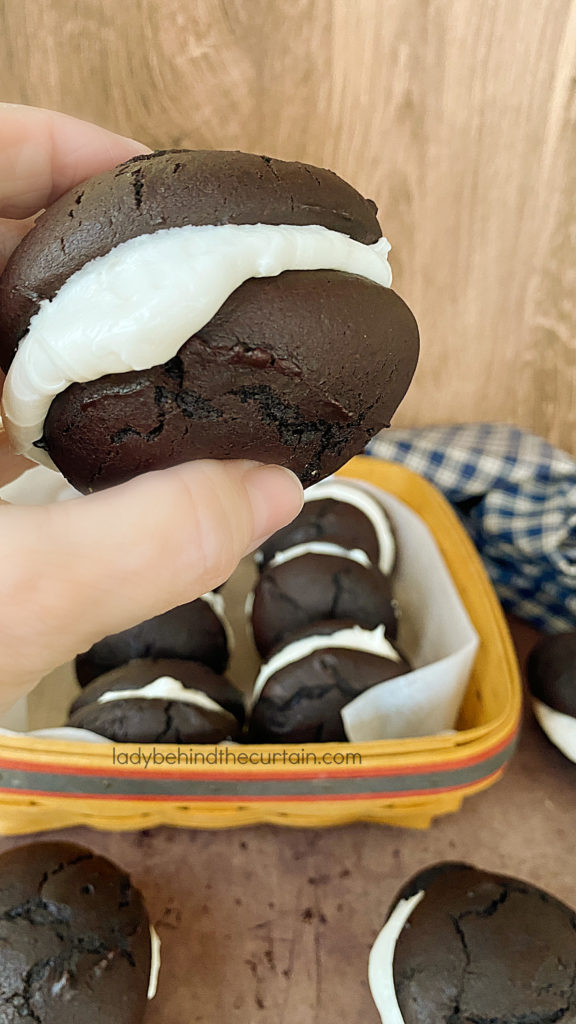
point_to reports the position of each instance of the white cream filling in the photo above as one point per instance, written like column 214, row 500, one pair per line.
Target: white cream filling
column 134, row 308
column 340, row 490
column 166, row 688
column 559, row 727
column 353, row 638
column 381, row 962
column 320, row 547
column 249, row 604
column 216, row 603
column 154, row 962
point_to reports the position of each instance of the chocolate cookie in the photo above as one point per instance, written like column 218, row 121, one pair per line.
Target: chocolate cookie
column 295, row 592
column 551, row 675
column 301, row 690
column 75, row 938
column 338, row 512
column 198, row 631
column 237, row 304
column 160, row 701
column 464, row 945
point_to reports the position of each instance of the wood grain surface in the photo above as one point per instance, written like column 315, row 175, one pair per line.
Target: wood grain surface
column 457, row 116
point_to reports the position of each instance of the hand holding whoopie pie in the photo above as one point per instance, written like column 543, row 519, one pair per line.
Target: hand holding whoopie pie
column 77, row 571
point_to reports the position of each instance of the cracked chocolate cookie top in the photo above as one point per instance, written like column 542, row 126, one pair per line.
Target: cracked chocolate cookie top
column 197, row 631
column 163, row 700
column 302, row 688
column 202, row 304
column 167, row 189
column 477, row 948
column 291, row 595
column 74, row 937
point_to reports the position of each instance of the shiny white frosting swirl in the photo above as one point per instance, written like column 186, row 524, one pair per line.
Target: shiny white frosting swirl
column 559, row 727
column 218, row 605
column 134, row 307
column 155, row 945
column 381, row 962
column 319, row 547
column 165, row 688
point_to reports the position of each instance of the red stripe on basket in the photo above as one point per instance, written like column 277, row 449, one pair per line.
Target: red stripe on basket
column 324, row 771
column 239, row 800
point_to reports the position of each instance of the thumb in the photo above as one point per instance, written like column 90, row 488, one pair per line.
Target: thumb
column 76, row 571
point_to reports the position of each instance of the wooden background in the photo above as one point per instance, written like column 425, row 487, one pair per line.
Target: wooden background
column 457, row 116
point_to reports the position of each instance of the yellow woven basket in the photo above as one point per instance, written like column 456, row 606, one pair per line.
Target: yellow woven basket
column 48, row 784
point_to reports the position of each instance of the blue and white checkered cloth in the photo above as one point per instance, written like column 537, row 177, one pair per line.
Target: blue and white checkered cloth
column 516, row 495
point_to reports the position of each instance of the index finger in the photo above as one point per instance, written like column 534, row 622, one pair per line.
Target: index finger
column 44, row 153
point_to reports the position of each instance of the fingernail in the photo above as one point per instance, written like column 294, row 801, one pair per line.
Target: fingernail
column 276, row 497
column 140, row 147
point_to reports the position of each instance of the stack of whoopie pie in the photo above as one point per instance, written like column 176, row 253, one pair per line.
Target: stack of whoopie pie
column 551, row 677
column 323, row 615
column 162, row 681
column 324, row 621
column 466, row 945
column 77, row 943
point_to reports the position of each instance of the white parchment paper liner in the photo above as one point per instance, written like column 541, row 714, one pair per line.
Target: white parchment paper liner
column 64, row 732
column 435, row 633
column 38, row 486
